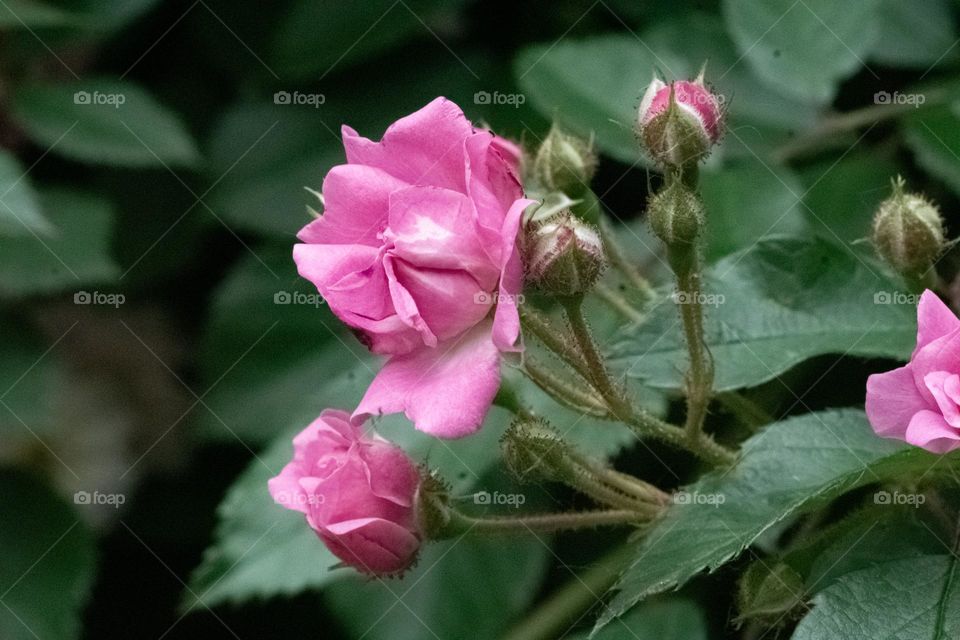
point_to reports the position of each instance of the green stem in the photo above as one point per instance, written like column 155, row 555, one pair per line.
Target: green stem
column 685, row 260
column 596, row 370
column 566, row 394
column 546, row 333
column 826, row 133
column 705, row 448
column 618, row 303
column 585, row 480
column 460, row 523
column 616, row 256
column 566, row 606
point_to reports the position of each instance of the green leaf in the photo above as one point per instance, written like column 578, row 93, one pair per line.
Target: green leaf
column 789, row 467
column 666, row 619
column 468, row 588
column 749, row 190
column 866, row 538
column 46, row 575
column 934, row 137
column 841, row 197
column 106, row 14
column 805, row 48
column 910, row 37
column 594, row 85
column 315, row 39
column 75, row 255
column 30, row 14
column 20, row 213
column 261, row 158
column 774, row 306
column 104, row 121
column 903, row 599
column 270, row 336
column 28, row 377
column 260, row 549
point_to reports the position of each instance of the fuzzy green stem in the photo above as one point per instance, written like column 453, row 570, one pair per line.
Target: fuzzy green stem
column 643, row 424
column 705, row 448
column 461, row 523
column 596, row 370
column 546, row 333
column 570, row 396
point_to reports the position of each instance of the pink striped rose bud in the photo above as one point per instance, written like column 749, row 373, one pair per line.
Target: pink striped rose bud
column 679, row 123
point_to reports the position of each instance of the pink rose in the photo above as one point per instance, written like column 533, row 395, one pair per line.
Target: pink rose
column 417, row 251
column 920, row 402
column 357, row 492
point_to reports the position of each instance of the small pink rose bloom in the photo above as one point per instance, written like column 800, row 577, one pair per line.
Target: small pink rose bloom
column 692, row 97
column 357, row 492
column 416, row 250
column 920, row 402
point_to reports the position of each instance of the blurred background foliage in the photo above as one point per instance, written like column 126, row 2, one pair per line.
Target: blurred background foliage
column 149, row 356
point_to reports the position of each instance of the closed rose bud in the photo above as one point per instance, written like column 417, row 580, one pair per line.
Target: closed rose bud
column 563, row 255
column 358, row 494
column 908, row 231
column 564, row 163
column 679, row 123
column 676, row 214
column 534, row 451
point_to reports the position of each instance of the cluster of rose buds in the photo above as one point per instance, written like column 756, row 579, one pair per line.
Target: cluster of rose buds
column 423, row 248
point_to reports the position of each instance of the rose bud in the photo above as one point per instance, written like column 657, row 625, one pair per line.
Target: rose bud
column 563, row 254
column 676, row 214
column 678, row 123
column 564, row 163
column 908, row 231
column 358, row 494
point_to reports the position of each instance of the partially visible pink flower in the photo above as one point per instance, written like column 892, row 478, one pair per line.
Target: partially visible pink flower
column 510, row 151
column 416, row 250
column 920, row 402
column 358, row 493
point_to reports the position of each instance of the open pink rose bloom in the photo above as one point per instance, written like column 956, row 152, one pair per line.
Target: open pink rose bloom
column 357, row 493
column 920, row 402
column 417, row 251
